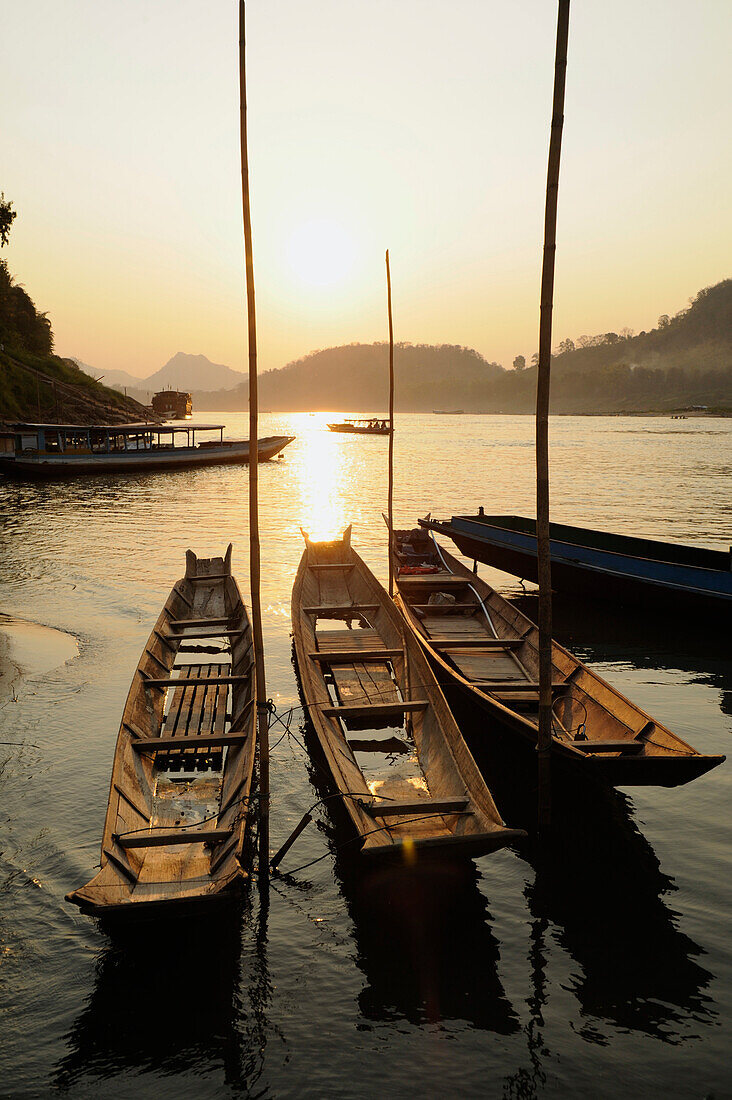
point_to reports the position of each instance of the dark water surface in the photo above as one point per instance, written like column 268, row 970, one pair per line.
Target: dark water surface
column 601, row 967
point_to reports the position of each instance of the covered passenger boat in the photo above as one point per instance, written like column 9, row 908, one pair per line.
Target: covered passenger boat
column 63, row 450
column 179, row 797
column 482, row 644
column 394, row 752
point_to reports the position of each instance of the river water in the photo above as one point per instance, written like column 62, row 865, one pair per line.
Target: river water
column 600, row 967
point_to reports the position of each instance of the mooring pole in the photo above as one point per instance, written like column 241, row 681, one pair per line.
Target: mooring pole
column 254, row 554
column 391, row 429
column 542, row 424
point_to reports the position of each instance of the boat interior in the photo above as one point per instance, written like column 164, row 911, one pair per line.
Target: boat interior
column 185, row 752
column 376, row 715
column 493, row 647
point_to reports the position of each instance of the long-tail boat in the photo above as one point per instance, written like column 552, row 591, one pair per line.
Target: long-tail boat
column 394, row 751
column 177, row 816
column 373, row 426
column 482, row 644
column 600, row 564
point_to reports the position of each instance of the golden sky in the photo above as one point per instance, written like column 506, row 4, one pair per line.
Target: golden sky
column 416, row 125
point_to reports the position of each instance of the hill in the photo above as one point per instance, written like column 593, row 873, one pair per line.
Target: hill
column 356, row 377
column 35, row 384
column 192, row 372
column 182, row 372
column 686, row 360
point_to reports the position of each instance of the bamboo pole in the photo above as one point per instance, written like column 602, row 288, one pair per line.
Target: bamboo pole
column 542, row 424
column 254, row 552
column 391, row 429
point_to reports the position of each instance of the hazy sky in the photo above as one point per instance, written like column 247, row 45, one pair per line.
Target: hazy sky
column 417, row 125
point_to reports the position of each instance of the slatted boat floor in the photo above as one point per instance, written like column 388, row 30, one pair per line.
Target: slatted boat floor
column 479, row 666
column 382, row 745
column 194, row 711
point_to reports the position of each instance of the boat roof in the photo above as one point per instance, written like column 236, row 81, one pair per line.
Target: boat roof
column 141, row 426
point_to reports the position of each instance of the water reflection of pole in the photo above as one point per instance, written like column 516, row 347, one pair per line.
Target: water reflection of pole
column 391, row 427
column 254, row 554
column 542, row 423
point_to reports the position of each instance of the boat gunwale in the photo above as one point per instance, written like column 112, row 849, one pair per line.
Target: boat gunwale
column 525, row 726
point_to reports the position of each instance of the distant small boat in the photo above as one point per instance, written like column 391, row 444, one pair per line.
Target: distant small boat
column 599, row 564
column 373, row 426
column 182, row 773
column 483, row 645
column 407, row 778
column 64, row 450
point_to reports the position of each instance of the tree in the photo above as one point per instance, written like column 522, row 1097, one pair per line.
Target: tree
column 585, row 341
column 7, row 217
column 519, row 362
column 664, row 320
column 535, row 359
column 626, row 334
column 566, row 345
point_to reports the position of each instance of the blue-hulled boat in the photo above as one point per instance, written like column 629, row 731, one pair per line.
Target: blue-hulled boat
column 597, row 563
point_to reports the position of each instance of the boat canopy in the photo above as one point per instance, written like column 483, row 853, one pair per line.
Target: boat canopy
column 24, row 436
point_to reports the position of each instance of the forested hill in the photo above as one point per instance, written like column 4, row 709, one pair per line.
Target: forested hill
column 357, row 377
column 35, row 384
column 686, row 360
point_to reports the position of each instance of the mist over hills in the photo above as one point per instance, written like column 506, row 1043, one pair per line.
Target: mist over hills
column 686, row 360
column 182, row 372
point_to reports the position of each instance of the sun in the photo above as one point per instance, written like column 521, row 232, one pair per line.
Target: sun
column 321, row 252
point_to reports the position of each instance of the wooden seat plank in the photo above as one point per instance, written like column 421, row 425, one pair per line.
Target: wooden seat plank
column 222, row 620
column 608, row 746
column 154, row 744
column 342, row 609
column 172, row 836
column 191, row 681
column 376, row 709
column 360, row 655
column 419, row 806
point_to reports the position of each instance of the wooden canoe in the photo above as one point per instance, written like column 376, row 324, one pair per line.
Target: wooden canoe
column 481, row 643
column 182, row 773
column 394, row 752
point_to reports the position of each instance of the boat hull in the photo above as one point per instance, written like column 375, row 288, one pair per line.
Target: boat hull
column 597, row 573
column 632, row 748
column 177, row 817
column 48, row 466
column 443, row 806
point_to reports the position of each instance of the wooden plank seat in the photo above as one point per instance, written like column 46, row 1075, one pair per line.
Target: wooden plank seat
column 419, row 806
column 444, row 608
column 173, row 681
column 591, row 746
column 432, row 580
column 342, row 609
column 201, row 742
column 476, row 643
column 521, row 685
column 221, row 621
column 344, row 656
column 203, row 578
column 172, row 836
column 332, row 565
column 378, row 710
column 192, row 734
column 224, row 632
